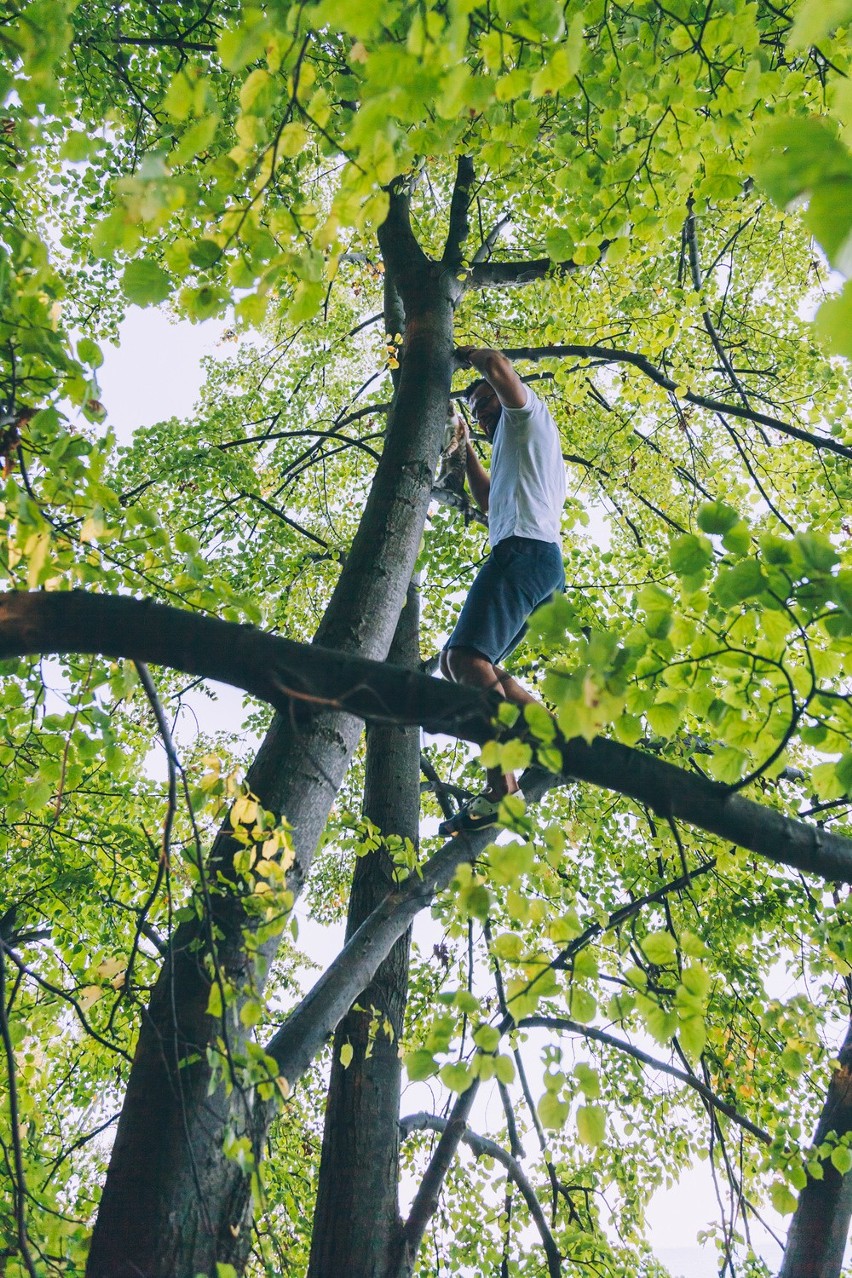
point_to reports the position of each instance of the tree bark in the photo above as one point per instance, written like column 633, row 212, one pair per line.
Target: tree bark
column 356, row 1221
column 819, row 1230
column 174, row 1203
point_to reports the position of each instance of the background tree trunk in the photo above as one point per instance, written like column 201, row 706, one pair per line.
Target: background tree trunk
column 820, row 1227
column 356, row 1222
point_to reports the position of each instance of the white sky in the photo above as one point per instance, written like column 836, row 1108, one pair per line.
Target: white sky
column 155, row 373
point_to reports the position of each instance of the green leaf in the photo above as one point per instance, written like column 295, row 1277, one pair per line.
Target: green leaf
column 690, row 555
column 145, row 283
column 817, row 551
column 829, row 216
column 552, row 1111
column 696, row 978
column 716, row 517
column 88, row 352
column 509, row 862
column 251, row 1013
column 588, row 1080
column 347, row 1051
column 583, row 1006
column 591, row 1124
column 692, row 1033
column 659, row 948
column 419, row 1065
column 504, row 1067
column 782, row 1200
column 841, row 1158
column 793, row 156
column 744, row 581
column 457, row 1077
column 487, row 1037
column 833, row 322
column 664, row 719
column 657, row 605
column 815, row 20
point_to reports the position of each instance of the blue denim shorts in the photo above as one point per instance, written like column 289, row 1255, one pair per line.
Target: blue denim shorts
column 518, row 576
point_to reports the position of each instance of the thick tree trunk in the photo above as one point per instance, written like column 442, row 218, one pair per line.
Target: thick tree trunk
column 356, row 1225
column 820, row 1227
column 174, row 1203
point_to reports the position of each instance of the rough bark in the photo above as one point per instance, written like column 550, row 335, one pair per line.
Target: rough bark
column 173, row 1203
column 820, row 1227
column 356, row 1221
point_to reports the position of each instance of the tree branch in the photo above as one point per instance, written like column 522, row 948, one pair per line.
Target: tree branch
column 426, row 1199
column 614, row 355
column 486, row 248
column 481, row 1146
column 459, row 227
column 283, row 672
column 562, row 1023
column 507, row 274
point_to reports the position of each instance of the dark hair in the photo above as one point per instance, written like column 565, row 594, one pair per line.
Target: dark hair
column 480, row 381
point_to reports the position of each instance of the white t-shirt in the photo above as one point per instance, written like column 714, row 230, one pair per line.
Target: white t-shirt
column 527, row 475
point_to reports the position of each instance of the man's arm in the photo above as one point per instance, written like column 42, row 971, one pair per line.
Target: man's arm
column 477, row 476
column 498, row 371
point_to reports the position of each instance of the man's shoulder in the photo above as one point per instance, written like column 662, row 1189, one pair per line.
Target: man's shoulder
column 535, row 411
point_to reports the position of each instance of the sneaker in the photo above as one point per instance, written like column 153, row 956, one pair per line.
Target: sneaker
column 476, row 815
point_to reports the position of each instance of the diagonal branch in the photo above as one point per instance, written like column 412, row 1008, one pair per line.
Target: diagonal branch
column 563, row 1024
column 615, row 355
column 428, row 1191
column 483, row 1147
column 486, row 248
column 459, row 226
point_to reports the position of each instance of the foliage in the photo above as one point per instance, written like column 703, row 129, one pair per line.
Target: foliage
column 649, row 996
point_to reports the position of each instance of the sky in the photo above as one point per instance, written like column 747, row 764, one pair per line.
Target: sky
column 155, row 373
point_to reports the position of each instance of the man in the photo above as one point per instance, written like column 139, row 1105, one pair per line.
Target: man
column 523, row 498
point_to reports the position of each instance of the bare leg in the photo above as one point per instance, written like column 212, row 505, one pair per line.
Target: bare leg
column 469, row 667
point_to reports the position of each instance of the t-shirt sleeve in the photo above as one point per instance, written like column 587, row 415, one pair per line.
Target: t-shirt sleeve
column 520, row 416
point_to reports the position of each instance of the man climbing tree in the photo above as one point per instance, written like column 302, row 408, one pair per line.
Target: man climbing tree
column 523, row 497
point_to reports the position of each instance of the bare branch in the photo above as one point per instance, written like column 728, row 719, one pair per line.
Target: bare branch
column 615, row 355
column 481, row 1146
column 283, row 672
column 564, row 1025
column 459, row 227
column 426, row 1199
column 486, row 248
column 508, row 274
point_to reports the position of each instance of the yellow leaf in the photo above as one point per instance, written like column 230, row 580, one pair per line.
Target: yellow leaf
column 346, row 1054
column 88, row 996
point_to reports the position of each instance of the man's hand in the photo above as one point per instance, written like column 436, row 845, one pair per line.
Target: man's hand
column 497, row 371
column 464, row 355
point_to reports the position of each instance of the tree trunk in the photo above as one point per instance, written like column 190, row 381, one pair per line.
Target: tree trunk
column 356, row 1224
column 820, row 1227
column 174, row 1203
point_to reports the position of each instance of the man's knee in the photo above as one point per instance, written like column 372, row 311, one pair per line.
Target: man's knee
column 466, row 665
